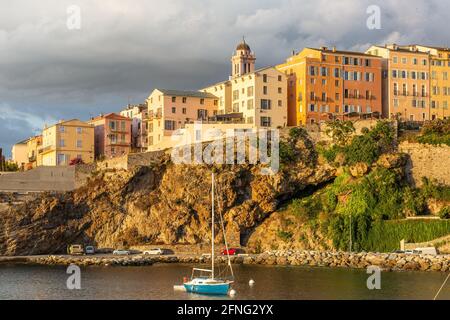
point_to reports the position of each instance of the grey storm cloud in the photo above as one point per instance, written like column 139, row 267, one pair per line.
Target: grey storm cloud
column 126, row 48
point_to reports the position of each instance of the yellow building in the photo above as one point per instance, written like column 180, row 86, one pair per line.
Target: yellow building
column 255, row 97
column 19, row 154
column 34, row 157
column 65, row 141
column 326, row 83
column 440, row 80
column 406, row 85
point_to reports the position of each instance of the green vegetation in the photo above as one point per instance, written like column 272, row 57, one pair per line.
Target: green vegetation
column 435, row 132
column 363, row 148
column 367, row 203
column 284, row 235
column 11, row 166
column 385, row 236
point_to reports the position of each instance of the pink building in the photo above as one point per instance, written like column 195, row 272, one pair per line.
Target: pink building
column 112, row 135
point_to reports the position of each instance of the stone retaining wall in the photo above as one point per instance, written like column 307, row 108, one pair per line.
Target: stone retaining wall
column 432, row 162
column 386, row 261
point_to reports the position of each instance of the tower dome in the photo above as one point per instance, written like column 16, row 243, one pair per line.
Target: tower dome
column 243, row 60
column 243, row 46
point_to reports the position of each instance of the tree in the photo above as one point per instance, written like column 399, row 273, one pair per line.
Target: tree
column 340, row 131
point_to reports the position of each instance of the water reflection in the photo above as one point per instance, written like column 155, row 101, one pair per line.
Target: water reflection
column 156, row 282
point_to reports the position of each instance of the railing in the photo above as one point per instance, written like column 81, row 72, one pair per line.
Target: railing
column 47, row 148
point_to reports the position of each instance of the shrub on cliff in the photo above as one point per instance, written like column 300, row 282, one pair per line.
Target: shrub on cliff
column 363, row 148
column 435, row 132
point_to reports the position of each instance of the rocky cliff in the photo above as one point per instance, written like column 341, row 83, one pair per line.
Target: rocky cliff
column 159, row 204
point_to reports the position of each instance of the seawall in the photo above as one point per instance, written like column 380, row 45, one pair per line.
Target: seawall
column 386, row 261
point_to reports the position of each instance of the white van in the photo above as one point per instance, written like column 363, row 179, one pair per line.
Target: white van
column 428, row 250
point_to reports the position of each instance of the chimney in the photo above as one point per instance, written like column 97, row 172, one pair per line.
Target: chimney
column 293, row 52
column 334, row 48
column 323, row 48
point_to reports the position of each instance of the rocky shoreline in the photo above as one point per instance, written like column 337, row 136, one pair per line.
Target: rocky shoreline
column 386, row 261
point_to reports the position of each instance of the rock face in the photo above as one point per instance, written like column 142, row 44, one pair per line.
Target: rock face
column 161, row 204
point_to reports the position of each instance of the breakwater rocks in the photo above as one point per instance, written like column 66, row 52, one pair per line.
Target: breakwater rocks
column 386, row 261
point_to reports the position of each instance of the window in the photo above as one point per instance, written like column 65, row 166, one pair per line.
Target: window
column 79, row 130
column 266, row 104
column 183, row 110
column 394, row 74
column 280, row 90
column 265, row 90
column 415, row 61
column 169, row 125
column 280, row 103
column 404, row 60
column 250, row 104
column 79, row 144
column 62, row 143
column 174, row 99
column 280, row 78
column 174, row 110
column 250, row 91
column 62, row 129
column 202, row 114
column 264, row 77
column 250, row 120
column 62, row 159
column 395, row 59
column 202, row 101
column 235, row 94
column 312, row 108
column 184, row 99
column 336, row 72
column 113, row 138
column 265, row 121
column 336, row 83
column 323, row 71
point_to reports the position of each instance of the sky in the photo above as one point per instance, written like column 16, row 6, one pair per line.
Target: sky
column 125, row 49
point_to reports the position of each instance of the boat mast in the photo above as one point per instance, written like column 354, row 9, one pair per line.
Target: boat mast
column 212, row 227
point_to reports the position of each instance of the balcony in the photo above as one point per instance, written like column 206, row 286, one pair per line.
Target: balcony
column 46, row 149
column 154, row 115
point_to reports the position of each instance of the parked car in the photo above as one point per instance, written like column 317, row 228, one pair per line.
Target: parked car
column 122, row 252
column 230, row 252
column 89, row 250
column 154, row 251
column 75, row 249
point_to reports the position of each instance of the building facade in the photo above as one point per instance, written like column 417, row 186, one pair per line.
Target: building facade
column 139, row 126
column 407, row 85
column 67, row 141
column 255, row 97
column 19, row 154
column 112, row 135
column 439, row 80
column 34, row 157
column 326, row 84
column 170, row 110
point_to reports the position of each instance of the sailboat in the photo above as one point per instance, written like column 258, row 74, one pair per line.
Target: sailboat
column 204, row 281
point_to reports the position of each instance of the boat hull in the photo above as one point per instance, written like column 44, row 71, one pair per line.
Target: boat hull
column 213, row 289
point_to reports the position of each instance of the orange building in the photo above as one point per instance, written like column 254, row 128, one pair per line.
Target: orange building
column 112, row 135
column 326, row 84
column 407, row 82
